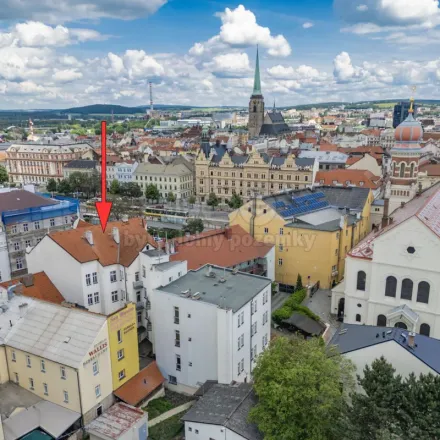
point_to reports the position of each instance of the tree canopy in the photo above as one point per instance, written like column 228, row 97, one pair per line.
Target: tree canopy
column 213, row 200
column 235, row 202
column 194, row 226
column 151, row 192
column 3, row 174
column 51, row 185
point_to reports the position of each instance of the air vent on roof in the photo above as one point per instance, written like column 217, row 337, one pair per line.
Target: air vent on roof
column 222, row 280
column 67, row 340
column 234, row 271
column 184, row 292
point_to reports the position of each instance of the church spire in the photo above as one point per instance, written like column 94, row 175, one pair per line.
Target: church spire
column 257, row 81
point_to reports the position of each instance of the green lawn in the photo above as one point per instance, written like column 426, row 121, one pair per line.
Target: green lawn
column 170, row 429
column 157, row 407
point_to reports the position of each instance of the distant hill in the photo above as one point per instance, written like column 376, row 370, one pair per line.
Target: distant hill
column 107, row 109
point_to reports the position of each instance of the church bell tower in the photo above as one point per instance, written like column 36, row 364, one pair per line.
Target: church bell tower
column 256, row 104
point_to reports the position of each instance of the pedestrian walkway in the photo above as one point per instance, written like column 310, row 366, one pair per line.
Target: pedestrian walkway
column 170, row 413
column 279, row 299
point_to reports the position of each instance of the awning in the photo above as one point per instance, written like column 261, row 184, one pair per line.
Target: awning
column 305, row 324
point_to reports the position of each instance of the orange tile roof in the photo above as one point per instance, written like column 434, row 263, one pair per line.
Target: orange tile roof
column 371, row 132
column 42, row 288
column 353, row 159
column 325, row 146
column 213, row 247
column 139, row 387
column 432, row 169
column 435, row 136
column 377, row 149
column 133, row 238
column 354, row 176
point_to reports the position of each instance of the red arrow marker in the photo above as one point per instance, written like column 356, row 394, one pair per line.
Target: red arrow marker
column 103, row 207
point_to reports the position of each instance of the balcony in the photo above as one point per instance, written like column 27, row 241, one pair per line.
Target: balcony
column 177, row 343
column 140, row 305
column 138, row 284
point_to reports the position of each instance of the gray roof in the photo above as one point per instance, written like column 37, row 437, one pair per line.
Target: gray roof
column 162, row 267
column 82, row 164
column 229, row 406
column 325, row 156
column 22, row 199
column 352, row 337
column 234, row 293
column 54, row 332
column 13, row 397
column 172, row 169
column 48, row 416
column 154, row 253
column 305, row 324
column 379, row 202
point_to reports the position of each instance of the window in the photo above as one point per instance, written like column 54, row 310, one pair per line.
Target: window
column 281, row 248
column 88, row 280
column 242, row 365
column 402, row 170
column 281, row 231
column 16, row 246
column 280, row 261
column 19, row 263
column 115, row 296
column 121, row 354
column 43, row 366
column 361, row 278
column 391, row 286
column 119, row 336
column 37, row 225
column 96, row 297
column 66, row 396
column 113, row 276
column 31, row 383
column 266, row 230
column 176, row 315
column 45, row 389
column 358, row 318
column 178, row 363
column 95, row 368
column 63, row 372
column 144, row 272
column 98, row 390
column 121, row 374
column 14, row 356
column 239, row 368
column 407, row 289
column 17, row 379
column 381, row 321
column 423, row 292
column 52, row 222
column 425, row 329
column 28, row 361
column 172, row 380
column 177, row 338
column 242, row 318
column 254, row 328
column 25, row 227
column 28, row 243
column 95, row 277
column 90, row 299
column 136, row 276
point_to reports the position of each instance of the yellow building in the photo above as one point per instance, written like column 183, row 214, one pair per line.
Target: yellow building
column 124, row 351
column 313, row 230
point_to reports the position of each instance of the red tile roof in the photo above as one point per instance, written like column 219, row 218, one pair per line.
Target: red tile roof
column 353, row 176
column 139, row 387
column 432, row 169
column 214, row 247
column 133, row 238
column 41, row 288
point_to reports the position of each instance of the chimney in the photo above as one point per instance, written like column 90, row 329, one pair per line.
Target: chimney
column 411, row 339
column 125, row 218
column 115, row 234
column 28, row 280
column 89, row 237
column 228, row 233
column 402, row 204
column 386, row 209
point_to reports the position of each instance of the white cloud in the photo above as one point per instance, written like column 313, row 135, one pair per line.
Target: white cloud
column 240, row 29
column 301, row 72
column 362, row 8
column 67, row 75
column 307, row 25
column 344, row 71
column 74, row 10
column 229, row 65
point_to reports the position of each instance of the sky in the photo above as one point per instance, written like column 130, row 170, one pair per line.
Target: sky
column 67, row 53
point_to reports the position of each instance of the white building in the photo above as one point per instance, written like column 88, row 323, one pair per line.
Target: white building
column 124, row 171
column 386, row 140
column 328, row 160
column 392, row 277
column 213, row 324
column 222, row 413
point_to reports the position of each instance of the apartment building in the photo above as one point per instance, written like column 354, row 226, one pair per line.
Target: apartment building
column 85, row 166
column 174, row 177
column 66, row 361
column 37, row 163
column 222, row 173
column 213, row 324
column 25, row 218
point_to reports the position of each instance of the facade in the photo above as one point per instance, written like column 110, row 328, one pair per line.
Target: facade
column 392, row 277
column 401, row 111
column 125, row 171
column 387, row 139
column 85, row 166
column 328, row 160
column 428, row 175
column 366, row 162
column 233, row 310
column 174, row 177
column 35, row 163
column 312, row 230
column 349, row 177
column 405, row 156
column 66, row 362
column 224, row 174
column 256, row 104
column 25, row 218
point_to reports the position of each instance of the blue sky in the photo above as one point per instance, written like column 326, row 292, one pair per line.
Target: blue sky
column 199, row 52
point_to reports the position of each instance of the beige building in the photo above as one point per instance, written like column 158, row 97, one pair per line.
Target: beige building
column 174, row 177
column 60, row 354
column 246, row 175
column 35, row 163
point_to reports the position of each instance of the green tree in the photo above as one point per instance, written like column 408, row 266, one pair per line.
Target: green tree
column 64, row 187
column 298, row 385
column 77, row 181
column 51, row 185
column 299, row 282
column 3, row 174
column 93, row 183
column 213, row 200
column 115, row 187
column 192, row 200
column 131, row 189
column 122, row 206
column 171, row 198
column 194, row 226
column 235, row 202
column 152, row 193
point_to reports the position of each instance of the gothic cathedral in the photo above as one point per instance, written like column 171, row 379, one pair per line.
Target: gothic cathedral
column 256, row 105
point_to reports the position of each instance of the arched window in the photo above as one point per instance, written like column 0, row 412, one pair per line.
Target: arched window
column 401, row 325
column 423, row 292
column 425, row 329
column 402, row 170
column 411, row 170
column 361, row 278
column 255, row 109
column 407, row 288
column 358, row 318
column 382, row 321
column 391, row 286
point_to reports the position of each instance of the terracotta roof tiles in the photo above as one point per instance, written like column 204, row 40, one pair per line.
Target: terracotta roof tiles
column 355, row 177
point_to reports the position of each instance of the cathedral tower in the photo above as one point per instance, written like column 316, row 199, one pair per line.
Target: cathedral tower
column 256, row 104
